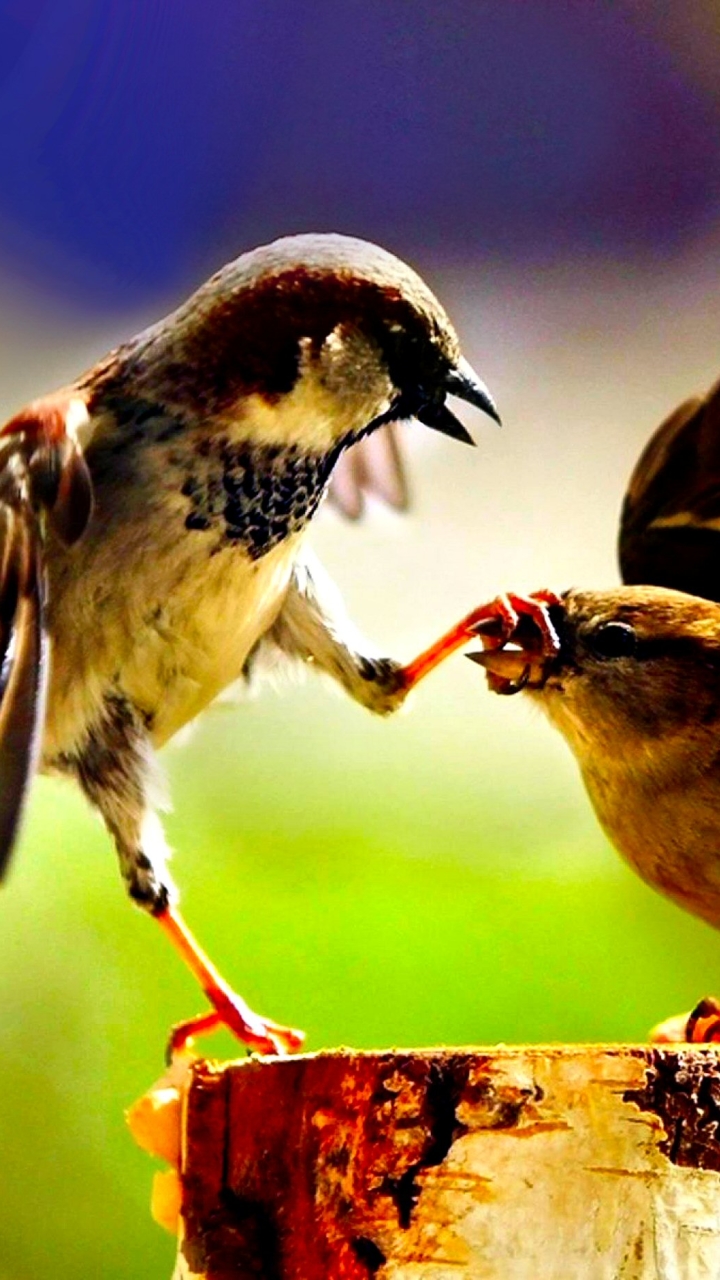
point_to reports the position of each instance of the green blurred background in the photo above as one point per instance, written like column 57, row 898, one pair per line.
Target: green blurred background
column 438, row 878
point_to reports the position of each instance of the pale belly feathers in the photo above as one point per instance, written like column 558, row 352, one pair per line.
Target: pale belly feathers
column 169, row 632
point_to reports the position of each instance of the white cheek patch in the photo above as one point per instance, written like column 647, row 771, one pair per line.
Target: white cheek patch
column 338, row 392
column 305, row 416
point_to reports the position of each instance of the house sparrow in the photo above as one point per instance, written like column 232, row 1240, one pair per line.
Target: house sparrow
column 153, row 518
column 631, row 676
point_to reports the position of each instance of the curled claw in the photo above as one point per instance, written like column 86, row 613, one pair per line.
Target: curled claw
column 503, row 617
column 259, row 1035
column 525, row 622
column 229, row 1010
column 497, row 623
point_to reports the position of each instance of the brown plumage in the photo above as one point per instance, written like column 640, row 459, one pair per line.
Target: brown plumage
column 152, row 520
column 670, row 523
column 631, row 675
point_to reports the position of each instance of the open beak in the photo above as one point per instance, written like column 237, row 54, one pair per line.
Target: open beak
column 464, row 383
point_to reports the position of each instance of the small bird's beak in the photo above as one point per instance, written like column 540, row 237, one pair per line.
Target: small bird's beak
column 464, row 383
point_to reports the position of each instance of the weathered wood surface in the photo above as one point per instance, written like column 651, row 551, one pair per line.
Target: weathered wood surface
column 541, row 1163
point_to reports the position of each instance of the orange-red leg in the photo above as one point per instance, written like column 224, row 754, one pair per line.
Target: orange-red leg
column 229, row 1009
column 497, row 619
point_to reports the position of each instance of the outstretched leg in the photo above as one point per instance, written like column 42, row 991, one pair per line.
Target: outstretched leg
column 496, row 622
column 116, row 769
column 313, row 627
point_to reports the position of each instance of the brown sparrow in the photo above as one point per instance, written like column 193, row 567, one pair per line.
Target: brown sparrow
column 631, row 676
column 153, row 517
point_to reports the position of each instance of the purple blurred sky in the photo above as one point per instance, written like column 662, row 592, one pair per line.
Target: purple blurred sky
column 142, row 142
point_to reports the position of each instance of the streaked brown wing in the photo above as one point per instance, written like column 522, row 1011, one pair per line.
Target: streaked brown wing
column 670, row 522
column 44, row 483
column 23, row 666
column 374, row 466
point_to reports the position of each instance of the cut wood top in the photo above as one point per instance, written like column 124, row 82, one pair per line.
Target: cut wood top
column 506, row 1162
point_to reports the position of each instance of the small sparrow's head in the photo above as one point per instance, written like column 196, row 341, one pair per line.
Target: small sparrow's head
column 633, row 668
column 310, row 341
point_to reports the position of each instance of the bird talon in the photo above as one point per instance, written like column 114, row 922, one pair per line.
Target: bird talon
column 701, row 1026
column 183, row 1034
column 259, row 1035
column 535, row 607
column 497, row 622
column 228, row 1009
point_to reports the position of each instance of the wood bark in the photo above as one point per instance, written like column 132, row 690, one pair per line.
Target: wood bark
column 555, row 1163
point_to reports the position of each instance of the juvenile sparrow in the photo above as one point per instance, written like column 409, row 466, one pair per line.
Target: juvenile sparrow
column 153, row 517
column 631, row 676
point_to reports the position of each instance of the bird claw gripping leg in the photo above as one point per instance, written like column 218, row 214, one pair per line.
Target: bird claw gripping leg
column 497, row 624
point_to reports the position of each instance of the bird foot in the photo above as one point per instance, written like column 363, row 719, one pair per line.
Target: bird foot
column 229, row 1009
column 702, row 1026
column 504, row 619
column 261, row 1035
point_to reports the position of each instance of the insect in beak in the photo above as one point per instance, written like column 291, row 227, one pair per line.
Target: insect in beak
column 534, row 646
column 508, row 670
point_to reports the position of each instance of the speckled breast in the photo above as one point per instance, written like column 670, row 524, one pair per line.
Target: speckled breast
column 252, row 495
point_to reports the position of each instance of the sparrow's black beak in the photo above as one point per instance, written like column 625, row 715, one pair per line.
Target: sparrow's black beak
column 464, row 383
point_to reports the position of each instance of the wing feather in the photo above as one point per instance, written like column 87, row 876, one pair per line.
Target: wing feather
column 372, row 467
column 23, row 667
column 44, row 484
column 670, row 522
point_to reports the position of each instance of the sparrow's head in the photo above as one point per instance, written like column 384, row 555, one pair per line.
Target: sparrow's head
column 312, row 340
column 633, row 667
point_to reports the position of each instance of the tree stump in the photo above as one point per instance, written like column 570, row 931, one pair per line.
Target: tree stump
column 541, row 1163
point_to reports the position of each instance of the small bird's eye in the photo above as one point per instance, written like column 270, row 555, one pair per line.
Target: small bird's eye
column 613, row 640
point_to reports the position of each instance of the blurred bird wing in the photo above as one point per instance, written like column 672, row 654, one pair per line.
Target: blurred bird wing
column 23, row 665
column 372, row 467
column 44, row 482
column 670, row 522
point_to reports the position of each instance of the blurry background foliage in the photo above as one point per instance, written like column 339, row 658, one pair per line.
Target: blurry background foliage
column 554, row 171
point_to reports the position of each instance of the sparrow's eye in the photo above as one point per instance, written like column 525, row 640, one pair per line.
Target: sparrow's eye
column 613, row 640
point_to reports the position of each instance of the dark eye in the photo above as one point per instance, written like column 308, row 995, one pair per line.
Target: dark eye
column 613, row 640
